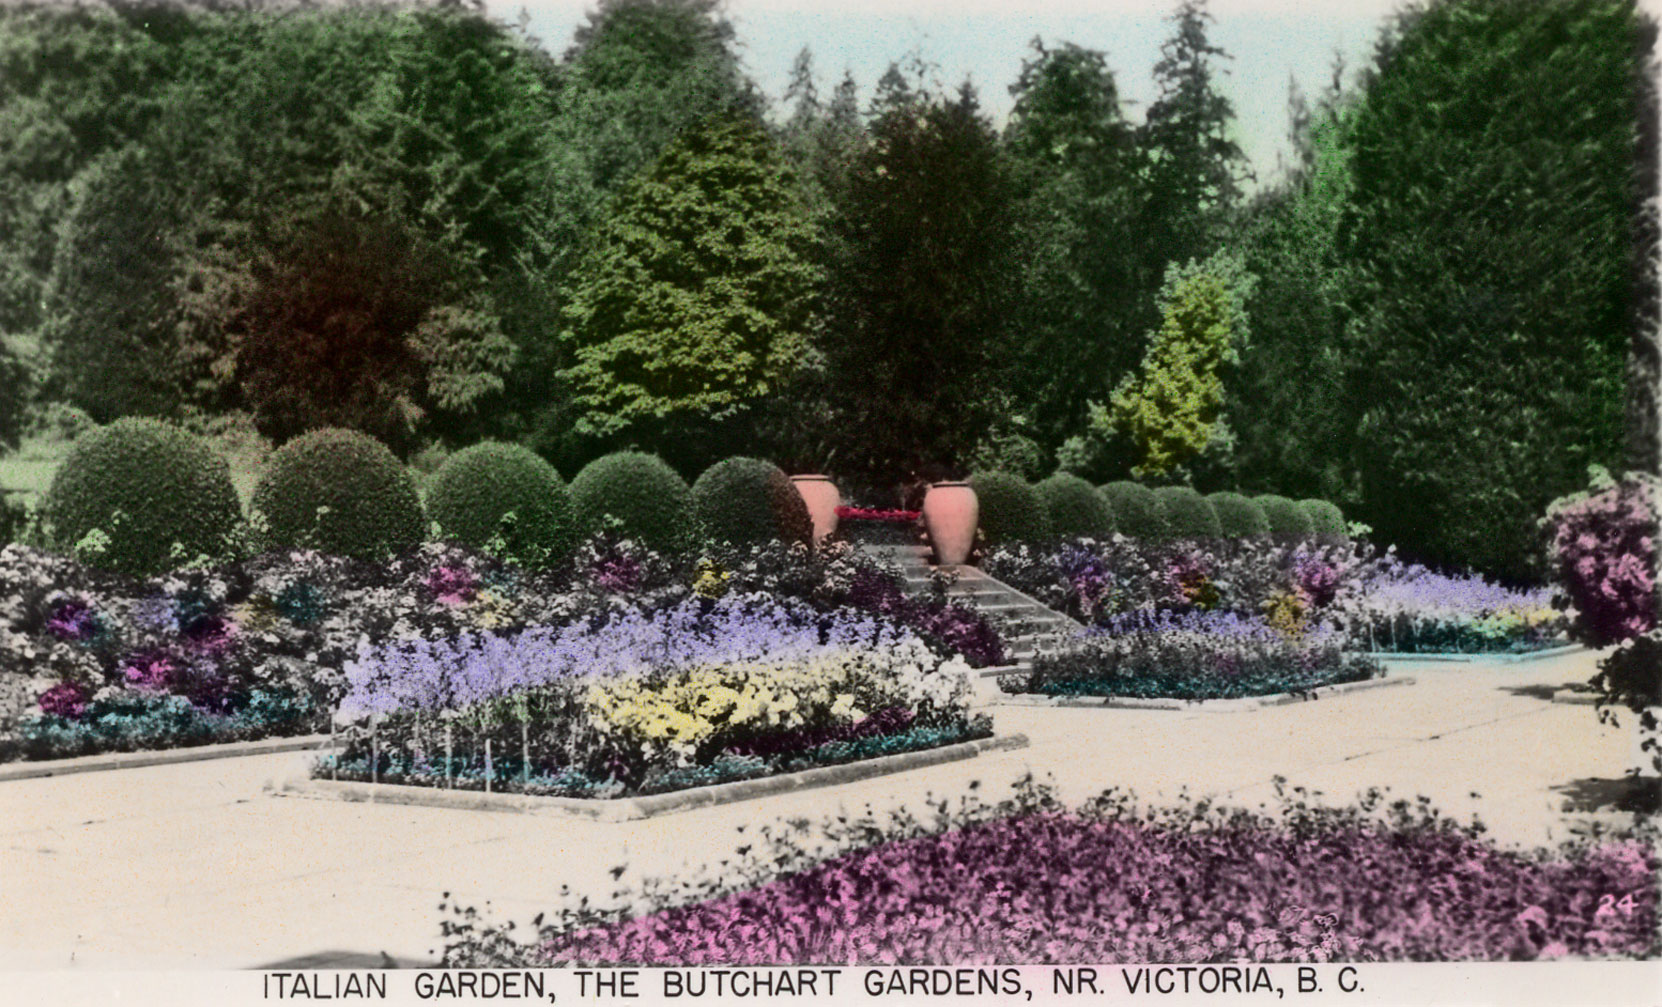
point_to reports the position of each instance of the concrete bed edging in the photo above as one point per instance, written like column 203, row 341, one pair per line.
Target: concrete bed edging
column 1199, row 705
column 158, row 757
column 626, row 809
column 1534, row 655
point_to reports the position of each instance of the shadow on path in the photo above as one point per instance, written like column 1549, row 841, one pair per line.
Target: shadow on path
column 1640, row 795
column 1544, row 692
column 344, row 960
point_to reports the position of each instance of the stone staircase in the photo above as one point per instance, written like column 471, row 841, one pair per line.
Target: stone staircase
column 1027, row 625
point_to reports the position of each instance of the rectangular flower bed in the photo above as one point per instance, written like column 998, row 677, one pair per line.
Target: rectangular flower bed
column 621, row 809
column 1193, row 656
column 703, row 692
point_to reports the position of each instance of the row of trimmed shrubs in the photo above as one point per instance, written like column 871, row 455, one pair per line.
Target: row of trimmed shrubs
column 141, row 496
column 1065, row 506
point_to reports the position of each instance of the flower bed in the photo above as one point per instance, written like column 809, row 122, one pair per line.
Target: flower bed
column 1193, row 656
column 1095, row 581
column 1030, row 881
column 1384, row 604
column 92, row 662
column 701, row 692
column 1408, row 609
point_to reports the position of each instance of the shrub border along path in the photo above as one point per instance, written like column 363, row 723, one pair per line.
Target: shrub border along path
column 1241, row 705
column 626, row 809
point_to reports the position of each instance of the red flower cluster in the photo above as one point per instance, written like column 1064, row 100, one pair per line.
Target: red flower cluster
column 876, row 514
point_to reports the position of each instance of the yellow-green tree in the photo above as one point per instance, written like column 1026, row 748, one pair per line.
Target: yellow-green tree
column 1172, row 409
column 692, row 300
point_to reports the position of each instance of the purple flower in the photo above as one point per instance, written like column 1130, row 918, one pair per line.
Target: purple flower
column 74, row 619
column 66, row 700
column 1163, row 885
column 616, row 573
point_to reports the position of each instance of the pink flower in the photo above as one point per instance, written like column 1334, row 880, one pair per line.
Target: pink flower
column 150, row 672
column 452, row 586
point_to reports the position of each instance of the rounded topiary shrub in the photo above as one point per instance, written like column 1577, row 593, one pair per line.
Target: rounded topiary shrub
column 646, row 498
column 1136, row 511
column 749, row 500
column 1074, row 507
column 1288, row 521
column 1186, row 515
column 1327, row 521
column 493, row 490
column 1010, row 509
column 139, row 494
column 340, row 492
column 1239, row 516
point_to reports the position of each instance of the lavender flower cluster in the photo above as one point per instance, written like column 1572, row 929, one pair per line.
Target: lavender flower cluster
column 1407, row 608
column 478, row 667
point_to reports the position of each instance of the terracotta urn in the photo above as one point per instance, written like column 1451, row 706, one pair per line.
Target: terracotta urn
column 950, row 512
column 822, row 497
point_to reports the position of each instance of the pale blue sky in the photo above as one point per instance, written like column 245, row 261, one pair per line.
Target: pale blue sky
column 986, row 40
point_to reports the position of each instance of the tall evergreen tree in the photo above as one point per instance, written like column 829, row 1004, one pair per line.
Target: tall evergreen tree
column 1078, row 173
column 918, row 330
column 1194, row 170
column 1497, row 211
column 1295, row 430
column 113, row 311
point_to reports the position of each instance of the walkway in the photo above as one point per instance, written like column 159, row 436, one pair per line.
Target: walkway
column 193, row 865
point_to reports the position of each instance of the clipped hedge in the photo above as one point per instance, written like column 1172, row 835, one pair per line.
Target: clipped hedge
column 648, row 499
column 148, row 486
column 1327, row 521
column 749, row 500
column 493, row 489
column 1186, row 515
column 1074, row 508
column 1239, row 516
column 1136, row 511
column 340, row 492
column 1289, row 522
column 1011, row 510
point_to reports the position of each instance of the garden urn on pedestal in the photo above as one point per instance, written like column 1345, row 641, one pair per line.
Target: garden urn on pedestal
column 822, row 497
column 950, row 512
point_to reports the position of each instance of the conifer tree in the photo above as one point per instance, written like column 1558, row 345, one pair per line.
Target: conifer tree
column 692, row 300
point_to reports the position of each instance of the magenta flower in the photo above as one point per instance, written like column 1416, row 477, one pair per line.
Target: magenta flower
column 150, row 672
column 1604, row 549
column 211, row 635
column 616, row 573
column 65, row 699
column 452, row 585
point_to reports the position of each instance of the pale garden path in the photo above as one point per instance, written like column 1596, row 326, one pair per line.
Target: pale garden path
column 193, row 865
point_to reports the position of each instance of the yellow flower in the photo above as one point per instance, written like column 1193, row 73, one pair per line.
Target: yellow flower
column 711, row 581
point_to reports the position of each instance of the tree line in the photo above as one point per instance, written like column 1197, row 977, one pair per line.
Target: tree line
column 419, row 222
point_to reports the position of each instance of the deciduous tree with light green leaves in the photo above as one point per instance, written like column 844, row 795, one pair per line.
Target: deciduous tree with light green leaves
column 1172, row 410
column 693, row 298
